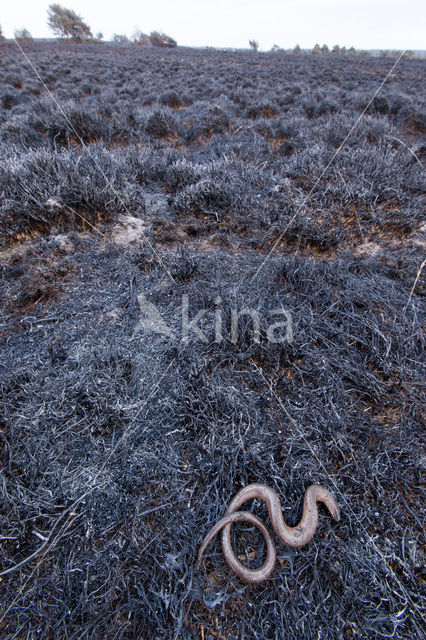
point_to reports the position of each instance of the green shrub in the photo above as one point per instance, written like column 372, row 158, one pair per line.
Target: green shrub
column 160, row 39
column 141, row 38
column 120, row 38
column 23, row 35
column 67, row 24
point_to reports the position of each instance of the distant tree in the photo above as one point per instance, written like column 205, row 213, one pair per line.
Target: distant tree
column 297, row 49
column 336, row 49
column 67, row 24
column 23, row 35
column 99, row 36
column 317, row 50
column 1, row 34
column 254, row 45
column 275, row 48
column 159, row 39
column 141, row 38
column 324, row 49
column 352, row 51
column 120, row 38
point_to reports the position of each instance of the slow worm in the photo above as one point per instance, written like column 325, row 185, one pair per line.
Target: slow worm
column 296, row 536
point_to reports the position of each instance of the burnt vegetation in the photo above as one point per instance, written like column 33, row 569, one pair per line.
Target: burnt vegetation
column 120, row 447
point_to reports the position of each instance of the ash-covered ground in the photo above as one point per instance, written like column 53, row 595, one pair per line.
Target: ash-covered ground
column 137, row 186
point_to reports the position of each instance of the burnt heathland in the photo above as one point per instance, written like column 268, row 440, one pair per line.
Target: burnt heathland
column 134, row 181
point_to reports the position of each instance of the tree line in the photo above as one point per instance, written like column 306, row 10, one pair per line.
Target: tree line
column 67, row 24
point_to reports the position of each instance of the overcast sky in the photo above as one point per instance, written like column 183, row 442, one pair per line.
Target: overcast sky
column 364, row 24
